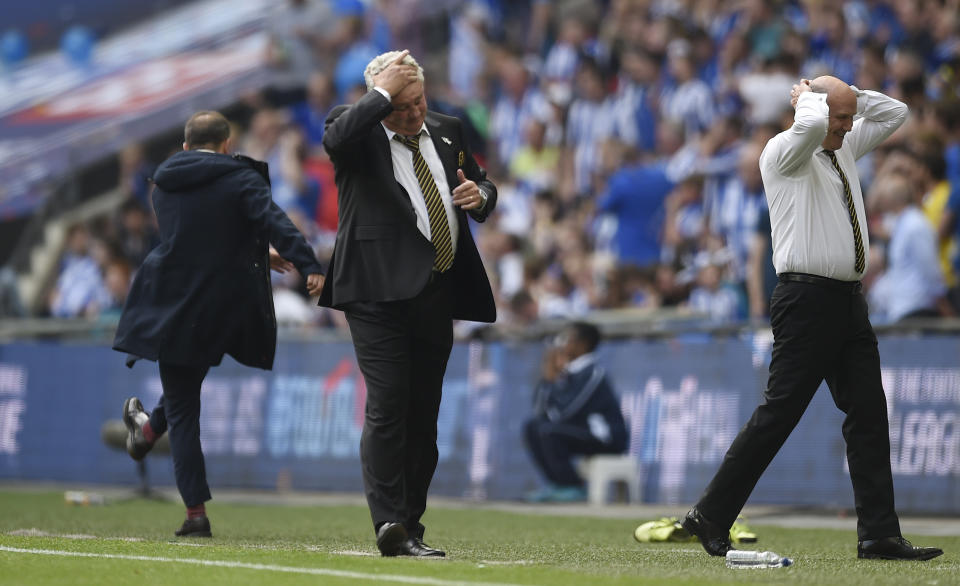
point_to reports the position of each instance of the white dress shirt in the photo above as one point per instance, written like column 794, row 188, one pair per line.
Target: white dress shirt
column 403, row 171
column 810, row 225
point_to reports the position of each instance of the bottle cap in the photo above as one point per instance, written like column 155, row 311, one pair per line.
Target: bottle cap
column 787, row 562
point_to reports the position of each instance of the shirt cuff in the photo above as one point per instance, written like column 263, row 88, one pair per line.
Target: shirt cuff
column 862, row 98
column 383, row 92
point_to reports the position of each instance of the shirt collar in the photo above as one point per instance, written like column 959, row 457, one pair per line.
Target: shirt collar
column 391, row 134
column 581, row 362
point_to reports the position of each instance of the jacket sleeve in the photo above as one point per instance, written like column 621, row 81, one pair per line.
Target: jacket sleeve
column 258, row 206
column 348, row 124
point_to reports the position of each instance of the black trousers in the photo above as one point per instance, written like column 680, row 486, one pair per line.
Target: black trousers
column 179, row 409
column 402, row 348
column 553, row 446
column 820, row 333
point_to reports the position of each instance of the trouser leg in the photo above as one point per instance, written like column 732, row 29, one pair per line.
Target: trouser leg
column 181, row 391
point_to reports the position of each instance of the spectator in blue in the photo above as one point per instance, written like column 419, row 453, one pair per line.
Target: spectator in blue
column 576, row 413
column 635, row 196
column 311, row 113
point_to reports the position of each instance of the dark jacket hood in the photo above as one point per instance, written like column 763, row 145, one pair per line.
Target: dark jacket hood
column 190, row 169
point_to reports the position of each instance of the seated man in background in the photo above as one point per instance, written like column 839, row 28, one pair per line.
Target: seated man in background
column 576, row 413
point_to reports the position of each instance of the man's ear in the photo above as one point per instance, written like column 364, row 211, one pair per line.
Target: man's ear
column 185, row 147
column 226, row 147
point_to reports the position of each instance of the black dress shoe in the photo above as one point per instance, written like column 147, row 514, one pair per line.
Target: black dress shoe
column 134, row 418
column 414, row 546
column 196, row 527
column 895, row 548
column 713, row 539
column 392, row 539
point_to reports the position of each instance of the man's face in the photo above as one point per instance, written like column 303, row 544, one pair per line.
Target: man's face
column 842, row 110
column 409, row 110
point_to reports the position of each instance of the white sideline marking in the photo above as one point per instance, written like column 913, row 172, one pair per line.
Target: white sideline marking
column 264, row 567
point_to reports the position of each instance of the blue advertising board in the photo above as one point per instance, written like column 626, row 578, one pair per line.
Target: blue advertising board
column 299, row 425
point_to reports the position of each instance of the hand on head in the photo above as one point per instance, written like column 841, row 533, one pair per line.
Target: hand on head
column 803, row 86
column 396, row 76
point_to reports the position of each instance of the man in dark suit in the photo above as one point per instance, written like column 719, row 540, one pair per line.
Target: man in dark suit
column 403, row 267
column 575, row 413
column 204, row 291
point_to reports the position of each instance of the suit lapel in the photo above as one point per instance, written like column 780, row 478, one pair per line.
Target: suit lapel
column 448, row 154
column 446, row 149
column 382, row 144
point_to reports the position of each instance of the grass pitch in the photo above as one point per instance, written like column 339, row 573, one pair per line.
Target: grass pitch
column 45, row 541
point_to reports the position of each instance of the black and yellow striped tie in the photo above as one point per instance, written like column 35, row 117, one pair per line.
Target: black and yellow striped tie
column 439, row 228
column 858, row 251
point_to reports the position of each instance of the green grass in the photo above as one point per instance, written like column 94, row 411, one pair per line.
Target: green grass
column 483, row 546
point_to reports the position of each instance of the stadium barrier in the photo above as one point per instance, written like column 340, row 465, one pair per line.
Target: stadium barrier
column 685, row 397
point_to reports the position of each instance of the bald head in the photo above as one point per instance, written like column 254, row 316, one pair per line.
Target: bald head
column 842, row 102
column 206, row 130
column 836, row 89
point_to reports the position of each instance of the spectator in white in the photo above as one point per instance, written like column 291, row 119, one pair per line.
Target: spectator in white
column 80, row 289
column 575, row 38
column 711, row 297
column 912, row 285
column 638, row 98
column 467, row 55
column 762, row 90
column 734, row 212
column 689, row 101
column 589, row 122
column 518, row 103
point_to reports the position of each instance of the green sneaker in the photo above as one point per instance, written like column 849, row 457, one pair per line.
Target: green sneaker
column 740, row 532
column 666, row 529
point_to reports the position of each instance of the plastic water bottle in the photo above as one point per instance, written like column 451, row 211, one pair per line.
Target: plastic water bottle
column 742, row 558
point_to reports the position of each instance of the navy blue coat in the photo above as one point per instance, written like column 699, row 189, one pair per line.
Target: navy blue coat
column 576, row 398
column 205, row 290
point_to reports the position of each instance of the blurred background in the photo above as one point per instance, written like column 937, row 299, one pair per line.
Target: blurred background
column 623, row 136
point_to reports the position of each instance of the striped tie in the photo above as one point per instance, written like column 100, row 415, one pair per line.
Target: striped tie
column 857, row 237
column 439, row 228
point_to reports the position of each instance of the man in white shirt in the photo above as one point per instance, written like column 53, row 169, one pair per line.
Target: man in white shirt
column 819, row 315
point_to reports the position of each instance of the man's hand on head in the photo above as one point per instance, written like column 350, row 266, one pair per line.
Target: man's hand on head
column 803, row 86
column 396, row 76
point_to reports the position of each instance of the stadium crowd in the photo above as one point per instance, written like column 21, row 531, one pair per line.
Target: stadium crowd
column 624, row 136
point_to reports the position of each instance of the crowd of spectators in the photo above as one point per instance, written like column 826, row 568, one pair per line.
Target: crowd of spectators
column 624, row 137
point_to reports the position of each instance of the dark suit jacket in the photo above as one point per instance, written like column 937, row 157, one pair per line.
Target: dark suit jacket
column 205, row 289
column 380, row 255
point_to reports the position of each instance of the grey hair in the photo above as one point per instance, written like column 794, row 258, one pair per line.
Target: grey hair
column 382, row 61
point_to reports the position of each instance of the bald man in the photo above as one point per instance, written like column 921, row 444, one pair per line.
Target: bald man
column 819, row 316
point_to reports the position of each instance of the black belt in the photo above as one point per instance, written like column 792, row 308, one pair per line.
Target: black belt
column 849, row 287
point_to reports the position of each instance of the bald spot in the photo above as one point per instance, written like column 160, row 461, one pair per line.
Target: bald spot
column 839, row 94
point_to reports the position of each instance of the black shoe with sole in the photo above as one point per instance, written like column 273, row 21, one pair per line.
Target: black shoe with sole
column 196, row 527
column 713, row 539
column 134, row 418
column 391, row 539
column 895, row 548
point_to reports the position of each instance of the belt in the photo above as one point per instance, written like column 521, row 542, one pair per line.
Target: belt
column 849, row 287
